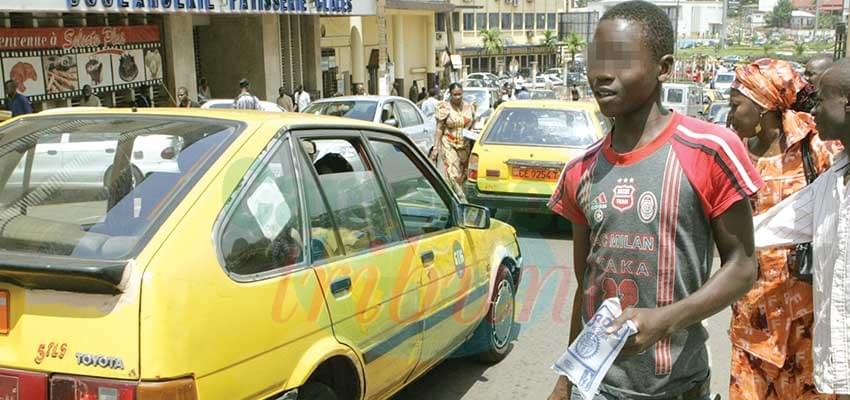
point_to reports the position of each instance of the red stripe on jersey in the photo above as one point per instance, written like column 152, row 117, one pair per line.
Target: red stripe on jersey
column 669, row 215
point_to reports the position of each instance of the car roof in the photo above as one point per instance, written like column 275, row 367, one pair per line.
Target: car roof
column 553, row 104
column 360, row 98
column 288, row 120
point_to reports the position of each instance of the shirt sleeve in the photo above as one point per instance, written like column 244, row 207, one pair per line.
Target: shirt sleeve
column 789, row 222
column 564, row 200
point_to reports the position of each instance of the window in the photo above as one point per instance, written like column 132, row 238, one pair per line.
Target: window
column 541, row 21
column 529, row 21
column 518, row 21
column 475, row 64
column 675, row 96
column 91, row 137
column 264, row 231
column 323, row 236
column 468, row 21
column 494, row 20
column 543, row 127
column 408, row 114
column 481, row 21
column 551, row 22
column 485, row 66
column 440, row 23
column 506, row 21
column 356, row 201
column 456, row 22
column 422, row 209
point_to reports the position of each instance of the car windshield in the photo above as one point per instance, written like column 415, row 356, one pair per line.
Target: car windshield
column 97, row 187
column 531, row 126
column 715, row 109
column 675, row 95
column 725, row 78
column 357, row 109
column 479, row 97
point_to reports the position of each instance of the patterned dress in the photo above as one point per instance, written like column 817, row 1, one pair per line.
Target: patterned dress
column 454, row 148
column 772, row 324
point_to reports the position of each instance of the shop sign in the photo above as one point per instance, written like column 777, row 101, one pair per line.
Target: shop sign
column 53, row 63
column 329, row 7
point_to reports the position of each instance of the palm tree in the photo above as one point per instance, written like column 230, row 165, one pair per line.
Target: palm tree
column 492, row 42
column 799, row 48
column 549, row 40
column 574, row 45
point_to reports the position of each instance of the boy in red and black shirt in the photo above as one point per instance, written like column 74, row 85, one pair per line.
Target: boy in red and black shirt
column 648, row 205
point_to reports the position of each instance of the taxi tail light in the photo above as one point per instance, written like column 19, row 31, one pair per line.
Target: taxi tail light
column 66, row 387
column 472, row 168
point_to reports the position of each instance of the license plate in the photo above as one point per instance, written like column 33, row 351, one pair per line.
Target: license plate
column 535, row 173
column 8, row 387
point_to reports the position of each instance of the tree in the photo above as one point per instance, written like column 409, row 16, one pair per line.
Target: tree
column 780, row 17
column 549, row 40
column 827, row 21
column 799, row 48
column 574, row 45
column 492, row 42
column 768, row 48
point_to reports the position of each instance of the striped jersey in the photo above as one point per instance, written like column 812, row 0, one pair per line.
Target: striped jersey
column 649, row 213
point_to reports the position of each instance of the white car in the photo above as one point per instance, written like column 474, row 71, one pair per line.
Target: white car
column 722, row 81
column 224, row 104
column 389, row 110
column 541, row 80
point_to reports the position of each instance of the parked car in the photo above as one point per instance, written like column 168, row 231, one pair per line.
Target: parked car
column 540, row 94
column 491, row 80
column 311, row 276
column 684, row 98
column 714, row 111
column 394, row 111
column 722, row 80
column 227, row 104
column 722, row 116
column 523, row 149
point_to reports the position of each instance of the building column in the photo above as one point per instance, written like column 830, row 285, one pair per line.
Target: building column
column 398, row 53
column 431, row 44
column 312, row 47
column 358, row 65
column 272, row 56
column 179, row 55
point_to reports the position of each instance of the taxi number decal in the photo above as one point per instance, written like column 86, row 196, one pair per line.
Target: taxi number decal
column 51, row 350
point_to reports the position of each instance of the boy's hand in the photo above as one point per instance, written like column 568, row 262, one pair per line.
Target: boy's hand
column 653, row 324
column 562, row 390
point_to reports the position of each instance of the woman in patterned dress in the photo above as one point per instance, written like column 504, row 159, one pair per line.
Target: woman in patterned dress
column 772, row 324
column 452, row 118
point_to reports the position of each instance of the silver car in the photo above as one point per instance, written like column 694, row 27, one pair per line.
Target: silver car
column 390, row 110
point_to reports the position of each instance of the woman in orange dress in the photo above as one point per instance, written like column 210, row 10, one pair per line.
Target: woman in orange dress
column 449, row 144
column 772, row 324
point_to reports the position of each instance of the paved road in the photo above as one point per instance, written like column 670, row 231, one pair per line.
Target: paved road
column 525, row 373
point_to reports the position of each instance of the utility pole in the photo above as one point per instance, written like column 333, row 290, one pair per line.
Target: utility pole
column 723, row 24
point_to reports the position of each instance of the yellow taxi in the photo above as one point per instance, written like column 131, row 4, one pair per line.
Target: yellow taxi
column 176, row 254
column 517, row 160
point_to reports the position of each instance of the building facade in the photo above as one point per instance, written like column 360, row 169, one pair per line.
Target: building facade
column 691, row 19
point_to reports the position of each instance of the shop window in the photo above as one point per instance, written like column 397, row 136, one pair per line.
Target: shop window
column 517, row 21
column 468, row 22
column 440, row 23
column 506, row 21
column 485, row 64
column 475, row 64
column 456, row 22
column 481, row 21
column 551, row 19
column 494, row 20
column 541, row 21
column 529, row 21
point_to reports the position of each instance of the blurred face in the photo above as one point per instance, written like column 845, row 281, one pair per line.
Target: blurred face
column 622, row 71
column 457, row 96
column 281, row 92
column 182, row 96
column 831, row 110
column 87, row 91
column 744, row 115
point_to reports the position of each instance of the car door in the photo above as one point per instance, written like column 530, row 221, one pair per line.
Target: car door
column 455, row 278
column 370, row 282
column 413, row 124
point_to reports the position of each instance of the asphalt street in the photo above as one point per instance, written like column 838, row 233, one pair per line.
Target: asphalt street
column 543, row 305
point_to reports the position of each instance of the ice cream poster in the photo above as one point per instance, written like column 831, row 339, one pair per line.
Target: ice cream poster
column 95, row 69
column 27, row 72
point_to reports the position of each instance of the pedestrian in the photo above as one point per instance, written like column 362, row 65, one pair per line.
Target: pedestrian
column 649, row 204
column 395, row 90
column 522, row 94
column 203, row 91
column 142, row 99
column 453, row 116
column 423, row 94
column 17, row 103
column 429, row 106
column 89, row 99
column 574, row 94
column 245, row 100
column 359, row 89
column 303, row 98
column 284, row 101
column 819, row 214
column 768, row 332
column 183, row 100
column 815, row 67
column 413, row 94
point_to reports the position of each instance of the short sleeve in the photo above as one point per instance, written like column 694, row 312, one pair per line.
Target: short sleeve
column 719, row 168
column 442, row 111
column 564, row 200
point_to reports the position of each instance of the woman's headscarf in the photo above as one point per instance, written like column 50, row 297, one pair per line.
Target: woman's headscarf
column 774, row 85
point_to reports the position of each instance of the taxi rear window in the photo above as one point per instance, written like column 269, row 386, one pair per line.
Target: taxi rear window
column 97, row 187
column 542, row 127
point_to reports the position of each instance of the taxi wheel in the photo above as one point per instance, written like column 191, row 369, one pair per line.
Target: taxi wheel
column 316, row 391
column 498, row 326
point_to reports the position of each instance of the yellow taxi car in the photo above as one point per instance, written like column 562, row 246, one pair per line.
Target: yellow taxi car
column 517, row 160
column 265, row 256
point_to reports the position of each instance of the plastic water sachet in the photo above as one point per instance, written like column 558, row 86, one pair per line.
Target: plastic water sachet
column 590, row 356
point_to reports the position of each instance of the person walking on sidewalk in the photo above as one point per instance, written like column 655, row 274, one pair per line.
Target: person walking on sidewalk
column 245, row 100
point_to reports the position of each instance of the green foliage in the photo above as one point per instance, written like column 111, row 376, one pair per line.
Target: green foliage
column 492, row 41
column 574, row 45
column 549, row 40
column 799, row 48
column 827, row 21
column 780, row 17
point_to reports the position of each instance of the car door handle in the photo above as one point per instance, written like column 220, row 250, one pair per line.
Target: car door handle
column 110, row 151
column 427, row 258
column 340, row 286
column 52, row 152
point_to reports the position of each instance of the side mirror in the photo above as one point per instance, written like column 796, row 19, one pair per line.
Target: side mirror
column 474, row 217
column 392, row 122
